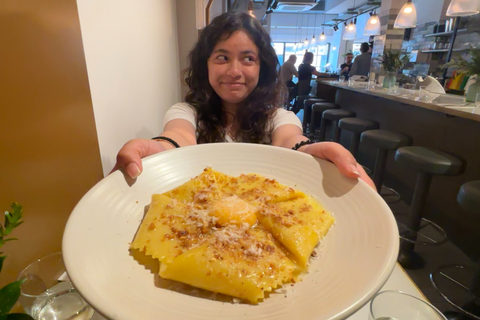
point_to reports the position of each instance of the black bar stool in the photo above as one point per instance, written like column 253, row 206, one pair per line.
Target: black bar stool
column 459, row 285
column 427, row 162
column 384, row 141
column 298, row 104
column 356, row 126
column 307, row 111
column 316, row 114
column 333, row 115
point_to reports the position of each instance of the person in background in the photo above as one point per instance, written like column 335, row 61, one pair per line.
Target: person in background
column 370, row 48
column 287, row 71
column 361, row 64
column 347, row 66
column 235, row 95
column 305, row 72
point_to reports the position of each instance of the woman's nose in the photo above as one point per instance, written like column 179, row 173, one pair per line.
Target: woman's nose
column 234, row 69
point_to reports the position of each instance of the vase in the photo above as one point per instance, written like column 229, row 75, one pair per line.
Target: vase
column 389, row 80
column 472, row 91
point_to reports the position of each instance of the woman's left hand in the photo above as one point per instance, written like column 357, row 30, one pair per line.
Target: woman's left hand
column 341, row 157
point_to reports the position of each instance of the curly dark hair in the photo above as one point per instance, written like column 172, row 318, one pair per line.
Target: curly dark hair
column 256, row 110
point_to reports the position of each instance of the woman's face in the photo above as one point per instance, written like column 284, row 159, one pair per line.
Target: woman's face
column 234, row 68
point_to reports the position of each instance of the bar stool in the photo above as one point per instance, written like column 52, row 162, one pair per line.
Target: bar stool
column 427, row 162
column 298, row 104
column 316, row 115
column 333, row 115
column 383, row 141
column 356, row 126
column 457, row 282
column 307, row 107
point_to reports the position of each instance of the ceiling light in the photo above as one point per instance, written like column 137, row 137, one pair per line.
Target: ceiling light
column 334, row 48
column 250, row 8
column 322, row 36
column 407, row 17
column 350, row 32
column 463, row 8
column 373, row 26
column 313, row 40
column 305, row 43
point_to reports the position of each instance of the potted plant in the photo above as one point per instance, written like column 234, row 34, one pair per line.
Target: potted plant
column 9, row 294
column 471, row 67
column 392, row 62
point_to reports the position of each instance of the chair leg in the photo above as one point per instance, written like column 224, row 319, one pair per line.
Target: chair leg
column 323, row 124
column 355, row 143
column 408, row 258
column 336, row 131
column 380, row 163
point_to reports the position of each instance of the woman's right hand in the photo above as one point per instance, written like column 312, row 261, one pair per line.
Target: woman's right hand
column 129, row 158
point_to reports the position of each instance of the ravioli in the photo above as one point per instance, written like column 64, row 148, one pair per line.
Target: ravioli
column 240, row 236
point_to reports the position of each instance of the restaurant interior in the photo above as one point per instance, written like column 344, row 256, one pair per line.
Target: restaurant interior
column 79, row 78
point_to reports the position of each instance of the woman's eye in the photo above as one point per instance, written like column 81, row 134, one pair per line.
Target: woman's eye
column 222, row 58
column 249, row 59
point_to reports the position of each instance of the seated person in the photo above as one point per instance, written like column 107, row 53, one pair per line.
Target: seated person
column 347, row 66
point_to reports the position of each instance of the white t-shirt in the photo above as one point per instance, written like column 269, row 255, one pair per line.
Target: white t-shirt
column 183, row 110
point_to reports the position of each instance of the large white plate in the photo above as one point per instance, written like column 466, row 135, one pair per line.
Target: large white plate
column 355, row 259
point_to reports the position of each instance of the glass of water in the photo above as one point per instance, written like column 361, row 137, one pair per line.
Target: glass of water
column 48, row 294
column 341, row 78
column 398, row 305
column 393, row 88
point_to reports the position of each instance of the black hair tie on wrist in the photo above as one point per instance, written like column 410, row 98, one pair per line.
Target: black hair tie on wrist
column 170, row 140
column 302, row 143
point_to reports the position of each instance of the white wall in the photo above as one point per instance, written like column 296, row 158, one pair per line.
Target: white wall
column 132, row 60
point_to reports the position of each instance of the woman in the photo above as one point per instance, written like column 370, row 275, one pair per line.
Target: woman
column 240, row 102
column 305, row 71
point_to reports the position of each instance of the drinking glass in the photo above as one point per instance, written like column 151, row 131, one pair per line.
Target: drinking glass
column 341, row 79
column 393, row 89
column 398, row 305
column 477, row 100
column 371, row 85
column 423, row 94
column 46, row 292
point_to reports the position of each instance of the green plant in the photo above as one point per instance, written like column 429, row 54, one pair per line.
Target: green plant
column 9, row 294
column 469, row 66
column 392, row 61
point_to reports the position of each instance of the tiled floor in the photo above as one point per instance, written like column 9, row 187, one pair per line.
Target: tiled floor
column 435, row 257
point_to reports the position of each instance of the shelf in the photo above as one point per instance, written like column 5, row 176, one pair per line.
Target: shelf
column 442, row 34
column 436, row 50
column 443, row 50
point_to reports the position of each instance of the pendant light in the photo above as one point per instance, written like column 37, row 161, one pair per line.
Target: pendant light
column 463, row 8
column 305, row 43
column 250, row 8
column 350, row 32
column 334, row 48
column 323, row 38
column 407, row 17
column 314, row 30
column 295, row 46
column 373, row 25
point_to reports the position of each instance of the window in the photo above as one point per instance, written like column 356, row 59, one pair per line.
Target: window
column 320, row 52
column 279, row 48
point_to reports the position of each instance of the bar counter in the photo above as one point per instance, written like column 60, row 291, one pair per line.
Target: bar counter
column 448, row 129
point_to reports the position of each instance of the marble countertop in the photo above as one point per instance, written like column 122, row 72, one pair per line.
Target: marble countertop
column 447, row 103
